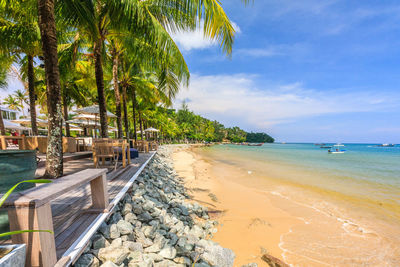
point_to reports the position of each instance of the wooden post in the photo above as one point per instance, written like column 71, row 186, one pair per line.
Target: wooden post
column 123, row 149
column 22, row 143
column 128, row 147
column 99, row 191
column 3, row 142
column 42, row 248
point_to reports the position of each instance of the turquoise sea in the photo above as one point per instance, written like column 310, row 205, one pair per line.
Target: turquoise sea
column 350, row 202
column 364, row 171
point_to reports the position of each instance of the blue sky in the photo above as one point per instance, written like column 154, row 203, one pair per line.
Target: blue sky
column 303, row 71
column 308, row 70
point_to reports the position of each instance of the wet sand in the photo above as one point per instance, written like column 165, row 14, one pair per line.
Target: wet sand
column 258, row 216
column 249, row 224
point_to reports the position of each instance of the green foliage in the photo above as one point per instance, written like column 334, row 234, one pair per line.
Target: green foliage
column 185, row 125
column 259, row 138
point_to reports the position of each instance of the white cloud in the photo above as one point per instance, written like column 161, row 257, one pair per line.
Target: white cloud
column 237, row 100
column 258, row 52
column 190, row 40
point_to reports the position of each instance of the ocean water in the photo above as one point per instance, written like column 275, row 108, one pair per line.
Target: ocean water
column 350, row 203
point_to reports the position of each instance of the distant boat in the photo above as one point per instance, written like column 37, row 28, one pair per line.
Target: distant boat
column 325, row 146
column 319, row 144
column 252, row 144
column 386, row 145
column 336, row 149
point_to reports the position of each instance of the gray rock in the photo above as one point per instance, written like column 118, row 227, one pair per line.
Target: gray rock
column 114, row 232
column 183, row 260
column 109, row 264
column 127, row 209
column 144, row 263
column 201, row 264
column 116, row 243
column 168, row 252
column 115, row 255
column 133, row 246
column 153, row 248
column 250, row 265
column 135, row 256
column 197, row 231
column 173, row 239
column 145, row 217
column 130, row 217
column 105, row 230
column 124, row 227
column 98, row 241
column 214, row 254
column 154, row 257
column 87, row 260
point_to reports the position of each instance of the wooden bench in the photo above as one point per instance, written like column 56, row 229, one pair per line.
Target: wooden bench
column 31, row 209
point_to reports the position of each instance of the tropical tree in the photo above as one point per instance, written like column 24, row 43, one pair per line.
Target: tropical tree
column 100, row 19
column 21, row 98
column 12, row 103
column 47, row 25
column 20, row 37
column 5, row 63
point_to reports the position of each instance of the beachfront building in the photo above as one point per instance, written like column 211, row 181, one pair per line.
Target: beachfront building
column 8, row 115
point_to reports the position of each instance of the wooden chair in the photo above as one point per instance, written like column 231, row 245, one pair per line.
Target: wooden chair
column 104, row 149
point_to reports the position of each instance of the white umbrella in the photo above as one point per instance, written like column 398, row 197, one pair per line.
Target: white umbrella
column 151, row 130
column 27, row 121
column 15, row 126
column 93, row 110
column 86, row 123
column 86, row 116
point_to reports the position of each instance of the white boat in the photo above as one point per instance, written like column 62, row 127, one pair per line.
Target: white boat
column 336, row 149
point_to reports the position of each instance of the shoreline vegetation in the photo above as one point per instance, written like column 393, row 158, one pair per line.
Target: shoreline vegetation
column 161, row 223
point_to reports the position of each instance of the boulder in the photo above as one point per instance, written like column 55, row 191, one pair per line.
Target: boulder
column 87, row 260
column 115, row 255
column 168, row 252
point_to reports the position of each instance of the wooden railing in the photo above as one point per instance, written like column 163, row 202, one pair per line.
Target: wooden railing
column 21, row 141
column 31, row 210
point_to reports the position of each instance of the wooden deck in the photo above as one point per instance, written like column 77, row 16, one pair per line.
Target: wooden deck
column 74, row 218
column 71, row 212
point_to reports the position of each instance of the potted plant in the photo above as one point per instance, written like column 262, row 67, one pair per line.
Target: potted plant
column 14, row 255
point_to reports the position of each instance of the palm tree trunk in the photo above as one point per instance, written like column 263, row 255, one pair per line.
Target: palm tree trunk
column 98, row 65
column 126, row 122
column 2, row 129
column 65, row 106
column 134, row 111
column 141, row 125
column 117, row 95
column 32, row 95
column 47, row 25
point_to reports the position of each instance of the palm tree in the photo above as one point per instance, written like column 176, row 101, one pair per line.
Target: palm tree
column 12, row 103
column 99, row 19
column 47, row 25
column 21, row 97
column 20, row 37
column 5, row 63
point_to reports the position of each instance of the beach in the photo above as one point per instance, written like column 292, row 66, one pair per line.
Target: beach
column 260, row 215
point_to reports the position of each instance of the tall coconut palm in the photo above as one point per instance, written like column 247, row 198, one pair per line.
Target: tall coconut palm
column 12, row 103
column 97, row 19
column 47, row 25
column 21, row 97
column 20, row 37
column 5, row 64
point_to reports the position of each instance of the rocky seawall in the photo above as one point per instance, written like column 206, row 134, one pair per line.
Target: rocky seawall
column 156, row 225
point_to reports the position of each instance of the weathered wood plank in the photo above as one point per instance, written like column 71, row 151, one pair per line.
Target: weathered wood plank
column 45, row 193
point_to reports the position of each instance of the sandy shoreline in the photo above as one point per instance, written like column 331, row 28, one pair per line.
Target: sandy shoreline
column 260, row 213
column 250, row 224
